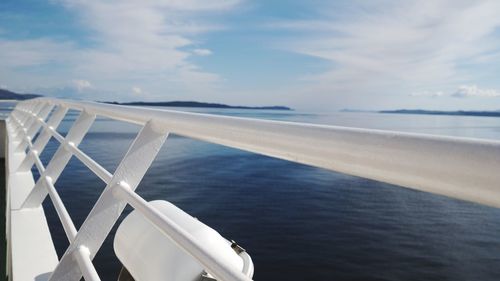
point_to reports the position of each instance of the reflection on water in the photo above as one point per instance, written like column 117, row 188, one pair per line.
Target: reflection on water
column 299, row 222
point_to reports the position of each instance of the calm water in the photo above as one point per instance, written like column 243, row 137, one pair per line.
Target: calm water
column 299, row 222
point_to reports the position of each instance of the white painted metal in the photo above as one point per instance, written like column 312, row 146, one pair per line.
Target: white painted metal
column 434, row 164
column 38, row 162
column 107, row 209
column 89, row 162
column 32, row 125
column 214, row 263
column 66, row 221
column 137, row 238
column 46, row 181
column 41, row 115
column 82, row 257
column 28, row 122
column 60, row 159
column 457, row 167
column 30, row 251
column 44, row 137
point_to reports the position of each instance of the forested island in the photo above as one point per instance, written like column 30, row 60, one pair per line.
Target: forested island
column 198, row 104
column 438, row 112
column 8, row 95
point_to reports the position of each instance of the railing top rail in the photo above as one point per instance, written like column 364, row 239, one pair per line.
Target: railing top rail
column 462, row 168
column 33, row 115
column 141, row 115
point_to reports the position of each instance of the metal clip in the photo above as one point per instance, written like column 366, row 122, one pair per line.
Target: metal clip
column 206, row 277
column 237, row 248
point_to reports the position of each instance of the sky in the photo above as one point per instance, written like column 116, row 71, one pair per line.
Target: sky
column 306, row 54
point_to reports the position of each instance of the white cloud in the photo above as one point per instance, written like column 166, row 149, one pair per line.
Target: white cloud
column 202, row 52
column 81, row 84
column 354, row 53
column 136, row 90
column 427, row 94
column 146, row 41
column 466, row 91
column 380, row 49
column 148, row 38
column 34, row 52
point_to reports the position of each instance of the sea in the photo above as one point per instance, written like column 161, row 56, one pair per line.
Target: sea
column 299, row 222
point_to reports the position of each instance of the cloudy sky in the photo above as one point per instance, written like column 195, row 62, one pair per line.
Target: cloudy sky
column 307, row 54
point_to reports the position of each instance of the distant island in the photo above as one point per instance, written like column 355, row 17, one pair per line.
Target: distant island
column 198, row 104
column 438, row 112
column 8, row 95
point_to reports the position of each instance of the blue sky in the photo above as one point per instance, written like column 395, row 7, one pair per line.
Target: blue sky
column 311, row 55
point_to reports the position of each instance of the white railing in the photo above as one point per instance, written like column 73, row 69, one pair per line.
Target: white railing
column 462, row 168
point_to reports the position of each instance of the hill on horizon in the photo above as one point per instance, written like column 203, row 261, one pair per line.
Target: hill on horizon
column 199, row 104
column 9, row 95
column 495, row 113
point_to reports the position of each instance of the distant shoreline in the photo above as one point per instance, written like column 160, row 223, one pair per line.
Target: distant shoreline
column 196, row 104
column 6, row 95
column 437, row 112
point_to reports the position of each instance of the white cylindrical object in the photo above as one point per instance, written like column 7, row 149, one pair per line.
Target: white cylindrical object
column 151, row 256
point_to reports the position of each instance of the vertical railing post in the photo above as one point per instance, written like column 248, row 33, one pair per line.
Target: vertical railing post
column 19, row 120
column 60, row 159
column 43, row 139
column 108, row 208
column 19, row 132
column 34, row 125
column 42, row 114
column 35, row 108
column 30, row 106
column 16, row 126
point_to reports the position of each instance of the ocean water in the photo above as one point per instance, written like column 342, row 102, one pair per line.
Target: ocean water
column 299, row 222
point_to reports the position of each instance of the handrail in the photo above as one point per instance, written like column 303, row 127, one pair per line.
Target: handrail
column 77, row 262
column 436, row 164
column 457, row 167
column 61, row 210
column 82, row 256
column 100, row 171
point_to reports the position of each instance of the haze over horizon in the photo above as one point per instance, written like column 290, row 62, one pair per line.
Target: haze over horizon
column 311, row 55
